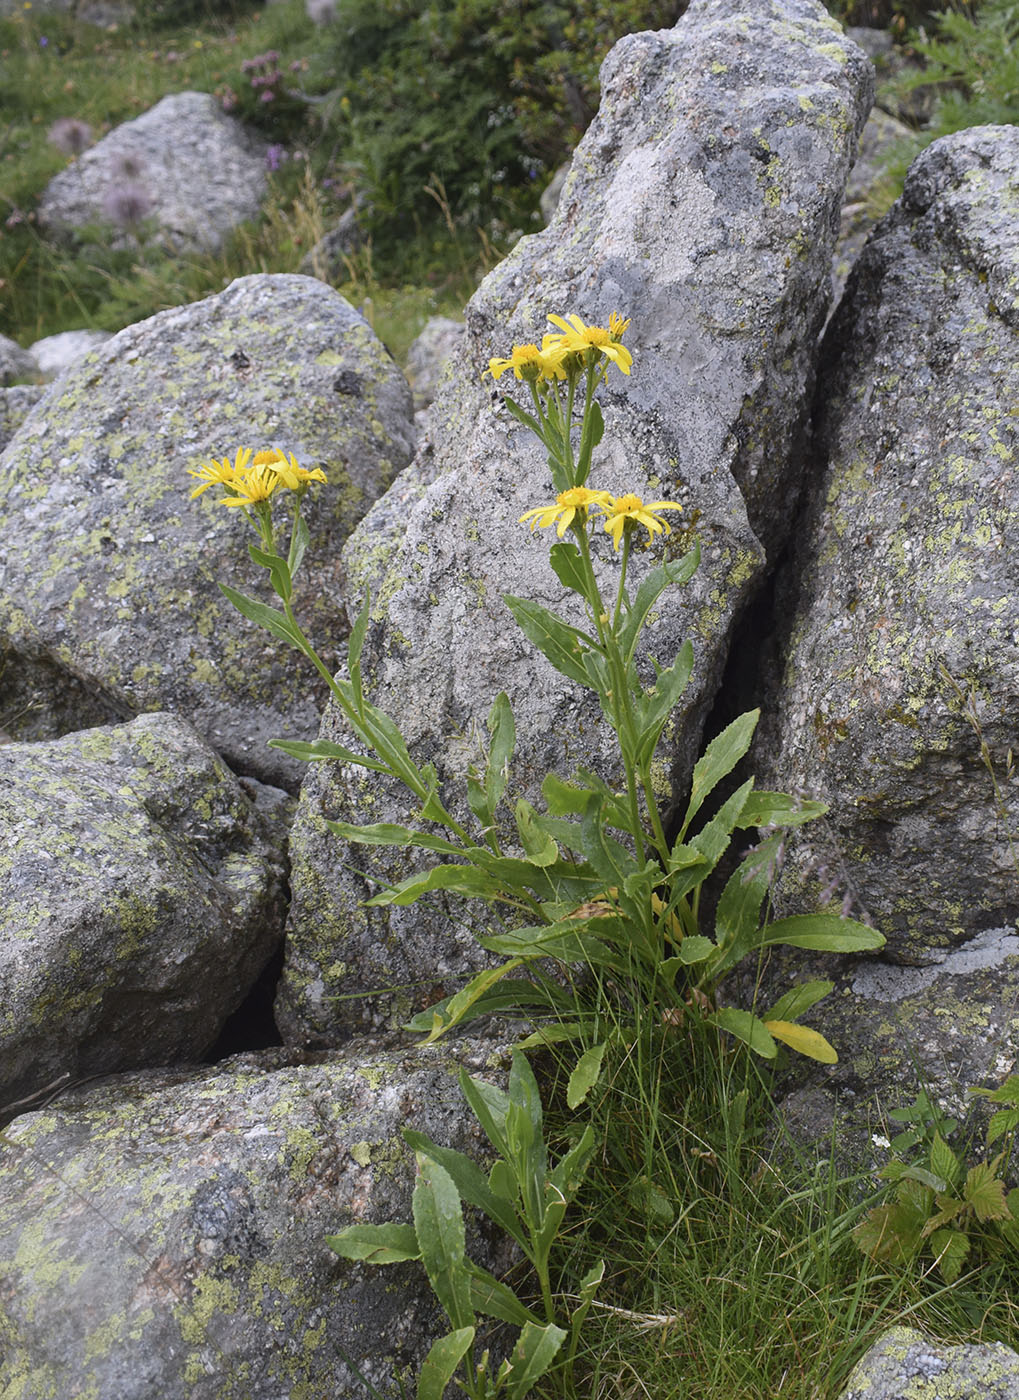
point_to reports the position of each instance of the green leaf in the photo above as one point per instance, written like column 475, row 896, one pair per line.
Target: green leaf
column 496, row 1299
column 564, row 799
column 949, row 1248
column 1006, row 1120
column 539, row 847
column 460, row 879
column 944, row 1162
column 985, row 1191
column 469, row 1180
column 764, row 809
column 376, row 1244
column 551, row 1035
column 651, row 1201
column 695, row 948
column 738, row 917
column 570, row 1170
column 825, row 933
column 1005, row 1093
column 585, row 1076
column 513, row 995
column 798, row 1000
column 563, row 645
column 279, row 573
column 490, row 1106
column 655, row 706
column 610, row 861
column 455, row 1009
column 439, row 1224
column 718, row 761
column 888, row 1233
column 713, row 839
column 323, row 749
column 533, row 1354
column 300, row 537
column 651, row 588
column 503, row 730
column 746, row 1027
column 527, row 419
column 269, row 618
column 389, row 834
column 443, row 1358
column 568, row 565
column 566, row 942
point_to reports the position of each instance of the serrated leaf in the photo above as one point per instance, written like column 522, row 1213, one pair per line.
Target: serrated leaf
column 985, row 1191
column 440, row 1364
column 804, row 1041
column 651, row 588
column 949, row 1248
column 718, row 761
column 764, row 809
column 585, row 1075
column 376, row 1244
column 497, row 1299
column 1006, row 1120
column 654, row 707
column 469, row 1180
column 712, row 841
column 944, row 1162
column 695, row 948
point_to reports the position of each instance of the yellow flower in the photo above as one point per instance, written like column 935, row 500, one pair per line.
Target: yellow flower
column 252, row 485
column 572, row 504
column 626, row 512
column 291, row 475
column 222, row 473
column 577, row 338
column 528, row 363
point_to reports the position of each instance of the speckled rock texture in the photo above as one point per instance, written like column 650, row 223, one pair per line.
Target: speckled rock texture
column 55, row 353
column 15, row 363
column 905, row 1365
column 183, row 169
column 108, row 572
column 165, row 1234
column 907, row 575
column 15, row 406
column 703, row 202
column 141, row 894
column 429, row 355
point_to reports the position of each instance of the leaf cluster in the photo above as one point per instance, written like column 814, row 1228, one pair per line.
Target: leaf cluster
column 938, row 1206
column 526, row 1196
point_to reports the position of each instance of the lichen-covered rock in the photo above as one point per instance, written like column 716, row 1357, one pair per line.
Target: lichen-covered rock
column 429, row 354
column 55, row 353
column 183, row 168
column 15, row 406
column 906, row 1365
column 908, row 583
column 880, row 137
column 15, row 363
column 165, row 1234
column 141, row 894
column 108, row 571
column 702, row 202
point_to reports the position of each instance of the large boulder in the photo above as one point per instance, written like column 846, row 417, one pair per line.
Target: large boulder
column 108, row 572
column 900, row 666
column 55, row 353
column 165, row 1233
column 184, row 169
column 141, row 894
column 703, row 202
column 906, row 1365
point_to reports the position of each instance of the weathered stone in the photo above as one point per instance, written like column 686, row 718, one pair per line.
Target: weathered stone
column 108, row 572
column 15, row 405
column 165, row 1233
column 55, row 353
column 703, row 202
column 141, row 893
column 552, row 192
column 907, row 587
column 184, row 166
column 906, row 1365
column 881, row 135
column 15, row 363
column 429, row 355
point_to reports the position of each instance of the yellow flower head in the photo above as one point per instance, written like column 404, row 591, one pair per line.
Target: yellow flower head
column 251, row 486
column 625, row 513
column 578, row 338
column 290, row 474
column 572, row 504
column 526, row 362
column 222, row 473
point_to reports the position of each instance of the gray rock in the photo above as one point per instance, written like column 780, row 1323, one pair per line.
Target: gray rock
column 15, row 405
column 165, row 1234
column 54, row 353
column 126, row 615
column 429, row 355
column 320, row 11
column 15, row 363
column 552, row 192
column 329, row 259
column 881, row 135
column 703, row 202
column 184, row 167
column 141, row 894
column 906, row 1365
column 906, row 578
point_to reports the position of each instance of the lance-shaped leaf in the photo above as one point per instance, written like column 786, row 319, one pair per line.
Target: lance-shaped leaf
column 440, row 1364
column 824, row 933
column 389, row 834
column 798, row 1000
column 746, row 1027
column 460, row 879
column 533, row 1354
column 279, row 572
column 318, row 749
column 300, row 537
column 803, row 1040
column 439, row 1225
column 778, row 809
column 652, row 586
column 376, row 1244
column 717, row 762
column 538, row 845
column 458, row 1007
column 469, row 1180
column 585, row 1075
column 563, row 645
column 653, row 708
column 270, row 618
column 512, row 994
column 496, row 1299
column 568, row 566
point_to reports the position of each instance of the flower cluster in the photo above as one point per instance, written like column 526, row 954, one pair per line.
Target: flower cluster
column 252, row 477
column 623, row 514
column 565, row 353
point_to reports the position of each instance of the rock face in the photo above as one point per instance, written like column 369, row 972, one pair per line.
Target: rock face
column 55, row 353
column 908, row 587
column 126, row 616
column 141, row 894
column 905, row 1365
column 428, row 356
column 184, row 165
column 166, row 1234
column 703, row 202
column 15, row 363
column 15, row 405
